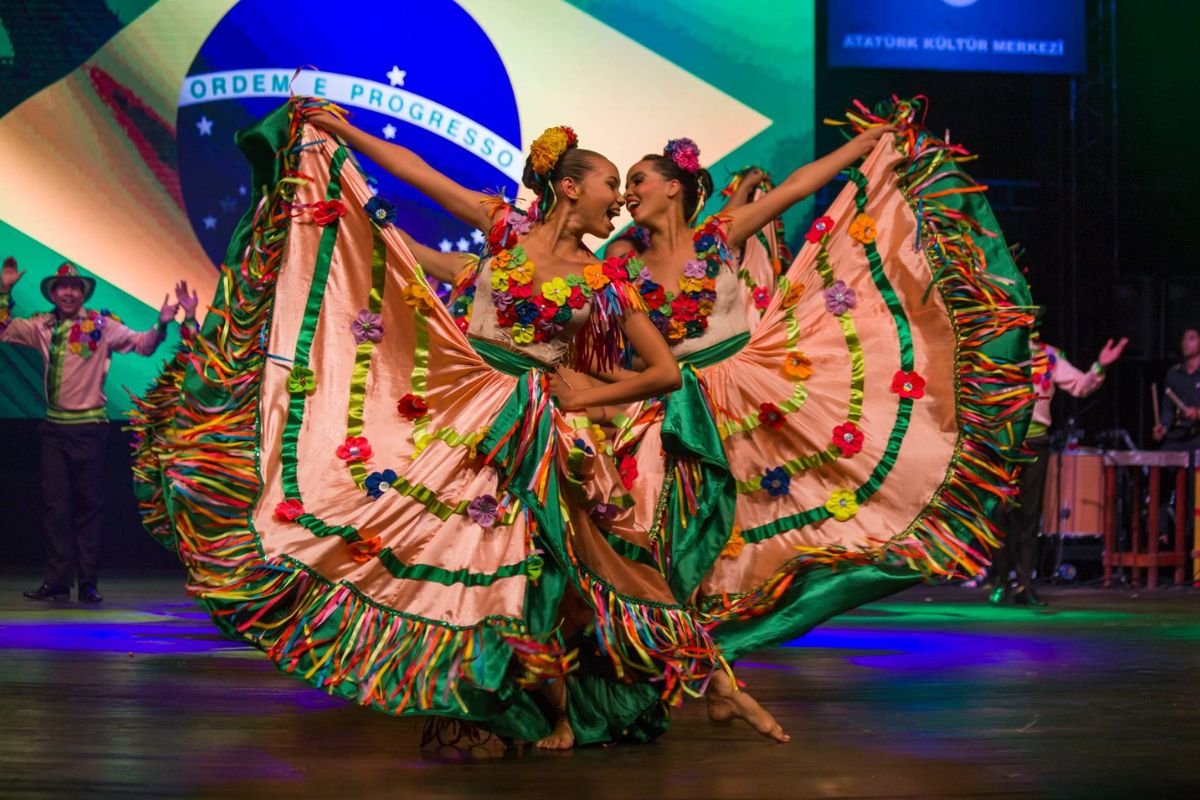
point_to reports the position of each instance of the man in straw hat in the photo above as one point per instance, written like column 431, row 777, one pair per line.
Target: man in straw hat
column 76, row 345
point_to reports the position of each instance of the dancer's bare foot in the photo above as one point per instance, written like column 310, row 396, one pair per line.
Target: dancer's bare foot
column 726, row 703
column 561, row 738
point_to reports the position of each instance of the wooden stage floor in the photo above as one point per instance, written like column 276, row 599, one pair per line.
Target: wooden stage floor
column 932, row 693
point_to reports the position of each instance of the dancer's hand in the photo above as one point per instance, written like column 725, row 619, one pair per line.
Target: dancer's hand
column 186, row 301
column 1159, row 433
column 566, row 394
column 10, row 274
column 1112, row 352
column 865, row 142
column 167, row 312
column 320, row 118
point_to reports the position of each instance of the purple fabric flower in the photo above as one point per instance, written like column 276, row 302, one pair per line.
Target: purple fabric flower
column 483, row 510
column 643, row 275
column 501, row 300
column 840, row 298
column 605, row 511
column 695, row 268
column 367, row 327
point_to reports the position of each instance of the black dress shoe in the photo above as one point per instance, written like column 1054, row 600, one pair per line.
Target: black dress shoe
column 1025, row 596
column 88, row 593
column 48, row 592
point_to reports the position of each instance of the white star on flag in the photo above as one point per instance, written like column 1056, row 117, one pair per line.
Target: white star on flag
column 397, row 76
column 242, row 191
column 463, row 245
column 445, row 245
column 477, row 237
column 389, row 131
column 204, row 126
column 210, row 222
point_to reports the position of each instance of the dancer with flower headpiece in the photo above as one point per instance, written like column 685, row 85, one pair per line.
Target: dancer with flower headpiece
column 855, row 440
column 400, row 512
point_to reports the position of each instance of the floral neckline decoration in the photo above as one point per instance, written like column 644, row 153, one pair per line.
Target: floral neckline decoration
column 684, row 314
column 1045, row 358
column 85, row 332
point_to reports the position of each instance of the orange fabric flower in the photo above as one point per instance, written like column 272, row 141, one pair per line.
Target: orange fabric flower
column 363, row 551
column 793, row 295
column 797, row 366
column 733, row 547
column 863, row 229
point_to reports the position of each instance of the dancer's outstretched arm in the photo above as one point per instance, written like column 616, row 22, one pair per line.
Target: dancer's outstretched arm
column 472, row 207
column 745, row 220
column 446, row 267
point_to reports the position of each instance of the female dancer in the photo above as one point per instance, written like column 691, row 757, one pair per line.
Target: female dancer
column 857, row 439
column 393, row 510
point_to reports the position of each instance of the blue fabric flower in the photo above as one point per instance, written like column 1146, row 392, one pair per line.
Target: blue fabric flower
column 527, row 312
column 705, row 242
column 380, row 211
column 776, row 481
column 380, row 482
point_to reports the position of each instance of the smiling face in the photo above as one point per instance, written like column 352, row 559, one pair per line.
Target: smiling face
column 649, row 195
column 595, row 196
column 67, row 294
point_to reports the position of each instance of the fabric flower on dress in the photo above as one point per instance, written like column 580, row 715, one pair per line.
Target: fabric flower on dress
column 595, row 277
column 862, row 229
column 793, row 295
column 695, row 269
column 777, row 481
column 301, row 380
column 842, row 504
column 733, row 547
column 605, row 512
column 909, row 385
column 797, row 366
column 840, row 298
column 483, row 510
column 556, row 291
column 762, row 297
column 416, row 295
column 380, row 211
column 326, row 211
column 522, row 334
column 627, row 466
column 355, row 448
column 412, row 406
column 379, row 482
column 820, row 227
column 367, row 327
column 848, row 438
column 770, row 415
column 363, row 551
column 289, row 510
column 519, row 223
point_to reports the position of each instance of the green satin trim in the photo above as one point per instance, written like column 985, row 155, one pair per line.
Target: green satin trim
column 58, row 359
column 362, row 356
column 716, row 353
column 690, row 436
column 858, row 367
column 505, row 361
column 419, row 379
column 732, row 427
column 446, row 577
column 815, row 595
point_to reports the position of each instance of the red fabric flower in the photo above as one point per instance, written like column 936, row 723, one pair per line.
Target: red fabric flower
column 908, row 384
column 289, row 510
column 520, row 291
column 684, row 308
column 656, row 298
column 327, row 211
column 506, row 317
column 762, row 297
column 628, row 469
column 501, row 237
column 820, row 227
column 770, row 415
column 615, row 271
column 576, row 300
column 462, row 324
column 848, row 438
column 355, row 448
column 412, row 406
column 546, row 309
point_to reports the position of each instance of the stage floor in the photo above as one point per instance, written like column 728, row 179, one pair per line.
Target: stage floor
column 933, row 693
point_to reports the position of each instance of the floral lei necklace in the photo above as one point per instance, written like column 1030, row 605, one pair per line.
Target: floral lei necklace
column 684, row 315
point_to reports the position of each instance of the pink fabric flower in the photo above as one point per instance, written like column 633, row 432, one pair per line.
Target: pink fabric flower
column 695, row 268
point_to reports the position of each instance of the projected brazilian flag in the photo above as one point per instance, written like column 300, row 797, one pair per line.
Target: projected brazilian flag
column 118, row 117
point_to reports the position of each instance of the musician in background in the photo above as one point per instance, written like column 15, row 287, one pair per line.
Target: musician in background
column 1179, row 428
column 1020, row 522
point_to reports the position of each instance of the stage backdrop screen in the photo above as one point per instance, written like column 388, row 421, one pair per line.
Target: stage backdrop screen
column 970, row 35
column 117, row 119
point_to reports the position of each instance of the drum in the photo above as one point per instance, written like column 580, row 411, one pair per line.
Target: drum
column 1074, row 495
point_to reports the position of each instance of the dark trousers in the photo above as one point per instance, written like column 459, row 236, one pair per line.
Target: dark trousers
column 73, row 491
column 1020, row 522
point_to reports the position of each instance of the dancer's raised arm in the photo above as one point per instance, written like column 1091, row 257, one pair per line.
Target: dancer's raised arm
column 470, row 206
